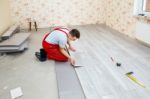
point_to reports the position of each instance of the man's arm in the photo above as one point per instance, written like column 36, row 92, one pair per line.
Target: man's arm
column 64, row 52
column 70, row 46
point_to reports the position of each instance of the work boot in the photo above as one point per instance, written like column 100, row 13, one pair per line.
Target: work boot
column 43, row 53
column 42, row 56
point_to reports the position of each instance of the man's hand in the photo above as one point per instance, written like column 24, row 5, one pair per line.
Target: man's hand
column 72, row 48
column 66, row 53
column 72, row 61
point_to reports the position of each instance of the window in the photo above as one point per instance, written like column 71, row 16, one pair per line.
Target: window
column 142, row 8
column 146, row 5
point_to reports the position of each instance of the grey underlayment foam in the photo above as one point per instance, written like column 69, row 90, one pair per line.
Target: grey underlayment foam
column 69, row 86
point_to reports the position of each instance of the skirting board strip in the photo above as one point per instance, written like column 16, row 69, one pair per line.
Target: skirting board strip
column 69, row 86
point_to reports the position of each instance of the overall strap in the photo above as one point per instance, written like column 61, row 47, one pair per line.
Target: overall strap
column 60, row 29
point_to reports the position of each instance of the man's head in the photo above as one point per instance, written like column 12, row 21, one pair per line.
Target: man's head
column 74, row 34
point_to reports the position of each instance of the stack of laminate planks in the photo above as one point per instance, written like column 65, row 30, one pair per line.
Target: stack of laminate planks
column 14, row 41
column 13, row 29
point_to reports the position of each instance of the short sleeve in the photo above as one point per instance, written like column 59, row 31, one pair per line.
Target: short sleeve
column 62, row 43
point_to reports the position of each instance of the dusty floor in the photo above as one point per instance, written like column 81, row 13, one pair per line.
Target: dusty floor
column 37, row 80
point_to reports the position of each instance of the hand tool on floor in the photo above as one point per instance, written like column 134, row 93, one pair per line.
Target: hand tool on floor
column 75, row 66
column 117, row 63
column 129, row 75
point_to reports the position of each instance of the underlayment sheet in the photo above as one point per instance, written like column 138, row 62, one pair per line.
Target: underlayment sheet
column 15, row 40
column 69, row 86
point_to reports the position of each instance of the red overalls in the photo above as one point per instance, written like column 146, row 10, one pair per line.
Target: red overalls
column 53, row 50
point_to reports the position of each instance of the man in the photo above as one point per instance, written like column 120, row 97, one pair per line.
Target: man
column 54, row 45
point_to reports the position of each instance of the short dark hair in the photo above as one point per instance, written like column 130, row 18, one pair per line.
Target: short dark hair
column 75, row 33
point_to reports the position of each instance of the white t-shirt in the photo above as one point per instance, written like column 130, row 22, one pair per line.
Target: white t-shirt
column 57, row 37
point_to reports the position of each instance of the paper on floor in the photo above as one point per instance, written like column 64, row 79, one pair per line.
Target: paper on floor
column 17, row 92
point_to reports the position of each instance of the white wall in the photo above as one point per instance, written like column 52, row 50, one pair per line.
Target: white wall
column 5, row 18
column 143, row 32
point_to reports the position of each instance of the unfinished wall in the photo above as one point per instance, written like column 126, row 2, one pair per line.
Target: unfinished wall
column 119, row 16
column 5, row 19
column 58, row 12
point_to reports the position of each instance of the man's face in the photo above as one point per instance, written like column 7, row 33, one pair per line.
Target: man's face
column 72, row 38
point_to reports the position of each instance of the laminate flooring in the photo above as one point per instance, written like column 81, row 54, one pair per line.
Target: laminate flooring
column 100, row 77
